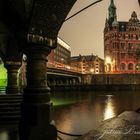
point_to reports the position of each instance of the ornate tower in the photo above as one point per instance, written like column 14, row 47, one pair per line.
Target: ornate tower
column 121, row 43
column 112, row 13
column 110, row 40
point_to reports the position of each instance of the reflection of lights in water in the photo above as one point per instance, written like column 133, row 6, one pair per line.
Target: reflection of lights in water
column 65, row 126
column 59, row 102
column 109, row 110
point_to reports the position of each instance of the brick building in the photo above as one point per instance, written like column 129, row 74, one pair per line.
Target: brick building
column 61, row 55
column 88, row 64
column 121, row 43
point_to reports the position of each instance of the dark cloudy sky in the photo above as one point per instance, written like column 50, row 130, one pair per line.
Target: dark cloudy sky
column 84, row 32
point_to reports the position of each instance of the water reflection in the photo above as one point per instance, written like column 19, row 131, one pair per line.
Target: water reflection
column 80, row 112
column 109, row 108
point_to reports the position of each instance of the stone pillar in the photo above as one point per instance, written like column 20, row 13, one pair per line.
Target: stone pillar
column 36, row 107
column 61, row 82
column 67, row 81
column 54, row 81
column 70, row 81
column 12, row 74
column 73, row 81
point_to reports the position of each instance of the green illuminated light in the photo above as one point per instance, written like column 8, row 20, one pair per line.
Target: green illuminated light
column 3, row 76
column 60, row 102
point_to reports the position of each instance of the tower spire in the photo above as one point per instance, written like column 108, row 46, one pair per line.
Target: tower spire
column 112, row 12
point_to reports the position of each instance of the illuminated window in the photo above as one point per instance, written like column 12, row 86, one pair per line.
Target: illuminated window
column 138, row 66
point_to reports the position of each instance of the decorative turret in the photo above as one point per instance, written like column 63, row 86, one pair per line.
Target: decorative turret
column 121, row 43
column 107, row 27
column 112, row 12
column 115, row 24
column 134, row 17
column 134, row 22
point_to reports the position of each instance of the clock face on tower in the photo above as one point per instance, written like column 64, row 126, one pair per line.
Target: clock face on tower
column 122, row 26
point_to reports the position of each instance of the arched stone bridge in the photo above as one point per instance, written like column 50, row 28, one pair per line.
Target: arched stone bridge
column 63, row 77
column 31, row 27
column 41, row 20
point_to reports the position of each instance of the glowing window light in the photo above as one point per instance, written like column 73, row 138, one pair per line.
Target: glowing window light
column 108, row 60
column 91, row 70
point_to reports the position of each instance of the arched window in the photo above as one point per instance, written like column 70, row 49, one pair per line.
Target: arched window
column 130, row 66
column 40, row 38
column 122, row 66
column 138, row 66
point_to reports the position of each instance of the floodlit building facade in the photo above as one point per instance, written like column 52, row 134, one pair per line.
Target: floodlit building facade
column 88, row 64
column 61, row 55
column 121, row 43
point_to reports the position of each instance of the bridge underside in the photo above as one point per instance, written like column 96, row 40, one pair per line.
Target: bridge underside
column 55, row 79
column 31, row 27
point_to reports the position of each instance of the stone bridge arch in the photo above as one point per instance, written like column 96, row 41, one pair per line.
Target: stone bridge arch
column 43, row 19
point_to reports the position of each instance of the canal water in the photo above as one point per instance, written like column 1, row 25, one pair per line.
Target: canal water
column 80, row 112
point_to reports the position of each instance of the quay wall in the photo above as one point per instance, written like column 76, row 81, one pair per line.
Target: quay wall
column 103, row 82
column 97, row 82
column 80, row 88
column 112, row 79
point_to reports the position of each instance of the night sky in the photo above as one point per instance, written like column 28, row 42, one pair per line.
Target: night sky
column 84, row 32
